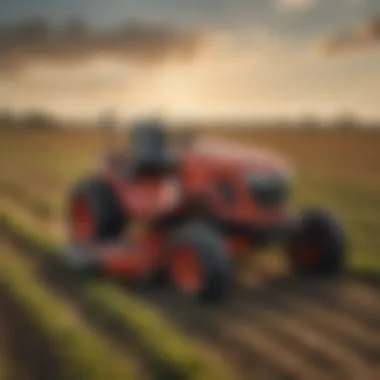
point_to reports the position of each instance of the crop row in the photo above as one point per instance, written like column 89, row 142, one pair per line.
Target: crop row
column 14, row 190
column 59, row 344
column 167, row 351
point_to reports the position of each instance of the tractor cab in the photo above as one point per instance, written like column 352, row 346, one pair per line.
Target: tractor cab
column 150, row 152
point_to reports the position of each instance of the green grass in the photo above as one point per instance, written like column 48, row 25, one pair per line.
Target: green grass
column 14, row 189
column 166, row 349
column 78, row 352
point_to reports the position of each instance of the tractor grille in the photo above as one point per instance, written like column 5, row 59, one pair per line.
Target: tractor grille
column 268, row 191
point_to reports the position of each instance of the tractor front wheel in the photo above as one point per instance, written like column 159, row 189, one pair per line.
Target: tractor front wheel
column 318, row 245
column 198, row 262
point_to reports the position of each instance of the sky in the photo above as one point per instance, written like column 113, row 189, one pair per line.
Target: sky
column 256, row 58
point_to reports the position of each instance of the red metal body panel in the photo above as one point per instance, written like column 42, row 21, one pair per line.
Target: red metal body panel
column 202, row 171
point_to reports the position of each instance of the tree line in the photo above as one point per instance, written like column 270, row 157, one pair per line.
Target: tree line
column 33, row 120
column 43, row 120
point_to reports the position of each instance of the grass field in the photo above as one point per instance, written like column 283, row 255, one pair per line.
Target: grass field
column 301, row 331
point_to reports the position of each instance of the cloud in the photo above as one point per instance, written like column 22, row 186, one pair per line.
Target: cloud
column 364, row 34
column 356, row 3
column 296, row 4
column 37, row 41
column 234, row 74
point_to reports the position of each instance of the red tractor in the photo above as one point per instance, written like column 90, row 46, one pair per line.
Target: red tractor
column 200, row 206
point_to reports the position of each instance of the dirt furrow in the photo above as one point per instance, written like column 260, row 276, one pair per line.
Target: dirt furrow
column 290, row 329
column 291, row 362
column 337, row 325
column 198, row 322
column 343, row 301
column 361, row 295
column 350, row 332
column 269, row 329
column 339, row 296
column 243, row 341
column 314, row 345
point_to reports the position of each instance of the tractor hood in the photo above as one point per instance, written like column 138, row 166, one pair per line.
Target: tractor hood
column 247, row 185
column 238, row 156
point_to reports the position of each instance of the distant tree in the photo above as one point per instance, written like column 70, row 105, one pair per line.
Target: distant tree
column 375, row 124
column 32, row 30
column 38, row 120
column 310, row 122
column 7, row 119
column 77, row 28
column 107, row 120
column 346, row 121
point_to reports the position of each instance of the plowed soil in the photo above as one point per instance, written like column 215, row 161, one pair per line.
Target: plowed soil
column 286, row 329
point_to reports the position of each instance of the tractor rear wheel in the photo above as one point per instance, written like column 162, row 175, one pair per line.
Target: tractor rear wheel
column 318, row 244
column 94, row 213
column 198, row 262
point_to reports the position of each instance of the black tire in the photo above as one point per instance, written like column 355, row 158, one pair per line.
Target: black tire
column 211, row 256
column 319, row 232
column 108, row 219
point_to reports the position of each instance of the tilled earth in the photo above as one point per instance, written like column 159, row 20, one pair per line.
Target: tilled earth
column 291, row 329
column 287, row 328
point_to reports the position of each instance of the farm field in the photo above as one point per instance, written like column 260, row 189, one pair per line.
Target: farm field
column 286, row 329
